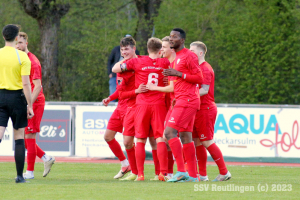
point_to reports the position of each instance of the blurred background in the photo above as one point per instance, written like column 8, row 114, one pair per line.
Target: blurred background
column 253, row 45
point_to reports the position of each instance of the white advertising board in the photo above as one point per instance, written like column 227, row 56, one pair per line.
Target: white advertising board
column 252, row 132
column 91, row 123
column 55, row 134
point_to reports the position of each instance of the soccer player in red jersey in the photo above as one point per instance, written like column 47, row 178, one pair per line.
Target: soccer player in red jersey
column 127, row 91
column 186, row 76
column 115, row 123
column 169, row 53
column 33, row 127
column 150, row 106
column 203, row 132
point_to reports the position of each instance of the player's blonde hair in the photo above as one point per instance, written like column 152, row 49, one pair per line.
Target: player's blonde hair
column 166, row 39
column 200, row 45
column 23, row 35
column 154, row 45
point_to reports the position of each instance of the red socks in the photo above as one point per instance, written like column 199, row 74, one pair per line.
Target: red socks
column 216, row 154
column 162, row 153
column 140, row 156
column 176, row 147
column 131, row 159
column 156, row 162
column 190, row 156
column 116, row 149
column 202, row 159
column 39, row 152
column 31, row 153
column 170, row 162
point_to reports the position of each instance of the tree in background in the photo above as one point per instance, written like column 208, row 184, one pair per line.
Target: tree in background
column 147, row 11
column 48, row 14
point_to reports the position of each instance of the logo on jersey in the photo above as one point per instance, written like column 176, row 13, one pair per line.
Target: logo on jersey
column 123, row 67
column 178, row 61
column 202, row 136
column 119, row 80
column 172, row 120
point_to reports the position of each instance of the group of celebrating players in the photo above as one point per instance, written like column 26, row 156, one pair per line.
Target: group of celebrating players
column 164, row 96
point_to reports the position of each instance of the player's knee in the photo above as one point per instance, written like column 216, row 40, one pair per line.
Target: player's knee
column 170, row 133
column 109, row 135
column 207, row 143
column 186, row 138
column 128, row 144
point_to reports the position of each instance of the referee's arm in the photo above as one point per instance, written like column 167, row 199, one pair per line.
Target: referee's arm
column 27, row 92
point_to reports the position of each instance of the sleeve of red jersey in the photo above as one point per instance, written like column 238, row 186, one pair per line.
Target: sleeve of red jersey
column 127, row 94
column 195, row 75
column 206, row 75
column 166, row 63
column 114, row 96
column 129, row 65
column 36, row 71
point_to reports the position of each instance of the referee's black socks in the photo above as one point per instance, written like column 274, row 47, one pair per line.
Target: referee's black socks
column 20, row 156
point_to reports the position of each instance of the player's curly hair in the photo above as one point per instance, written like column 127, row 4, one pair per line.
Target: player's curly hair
column 154, row 45
column 181, row 31
column 129, row 40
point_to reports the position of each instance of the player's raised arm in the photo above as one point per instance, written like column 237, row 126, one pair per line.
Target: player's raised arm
column 117, row 67
column 168, row 88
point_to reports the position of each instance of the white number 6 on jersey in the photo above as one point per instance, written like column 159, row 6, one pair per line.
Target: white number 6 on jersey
column 153, row 78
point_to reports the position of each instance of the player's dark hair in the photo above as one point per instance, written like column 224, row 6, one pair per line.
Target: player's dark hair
column 181, row 31
column 154, row 45
column 10, row 32
column 127, row 41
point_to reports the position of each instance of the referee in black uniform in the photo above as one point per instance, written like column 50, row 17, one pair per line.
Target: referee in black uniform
column 15, row 93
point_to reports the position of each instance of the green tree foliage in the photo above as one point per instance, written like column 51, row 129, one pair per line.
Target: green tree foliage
column 253, row 45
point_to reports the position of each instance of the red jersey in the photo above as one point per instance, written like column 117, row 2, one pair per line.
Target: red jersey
column 36, row 73
column 122, row 103
column 128, row 84
column 208, row 79
column 148, row 70
column 172, row 96
column 186, row 93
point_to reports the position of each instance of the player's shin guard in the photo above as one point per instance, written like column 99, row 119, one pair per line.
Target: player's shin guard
column 31, row 153
column 39, row 152
column 176, row 148
column 190, row 156
column 217, row 155
column 132, row 160
column 170, row 162
column 116, row 149
column 140, row 156
column 202, row 159
column 162, row 154
column 20, row 156
column 156, row 162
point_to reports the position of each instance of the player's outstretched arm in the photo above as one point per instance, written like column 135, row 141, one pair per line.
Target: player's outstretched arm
column 204, row 90
column 117, row 67
column 169, row 88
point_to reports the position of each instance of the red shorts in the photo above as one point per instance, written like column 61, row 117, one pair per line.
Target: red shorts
column 35, row 122
column 182, row 118
column 149, row 116
column 129, row 129
column 167, row 117
column 115, row 122
column 204, row 123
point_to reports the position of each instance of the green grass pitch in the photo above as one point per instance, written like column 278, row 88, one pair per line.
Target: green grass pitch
column 95, row 181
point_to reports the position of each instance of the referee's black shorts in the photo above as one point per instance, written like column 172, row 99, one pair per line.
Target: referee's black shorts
column 13, row 105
